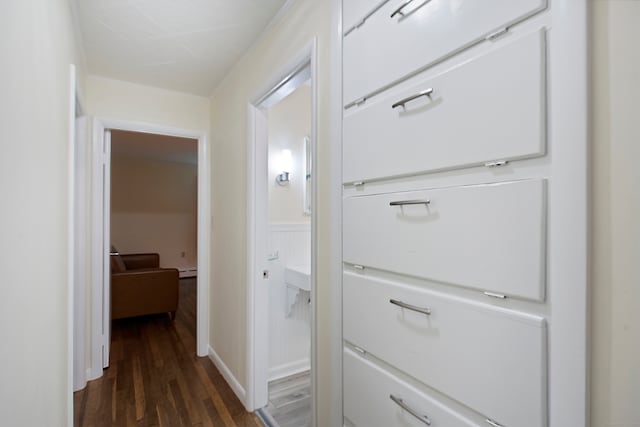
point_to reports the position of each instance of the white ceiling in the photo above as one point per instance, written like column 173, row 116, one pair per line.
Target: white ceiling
column 183, row 45
column 149, row 146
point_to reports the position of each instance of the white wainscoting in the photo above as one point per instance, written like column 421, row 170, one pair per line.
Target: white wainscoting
column 289, row 328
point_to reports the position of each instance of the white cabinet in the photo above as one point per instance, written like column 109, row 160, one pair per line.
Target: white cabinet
column 464, row 289
column 374, row 397
column 487, row 237
column 355, row 12
column 386, row 48
column 490, row 359
column 491, row 108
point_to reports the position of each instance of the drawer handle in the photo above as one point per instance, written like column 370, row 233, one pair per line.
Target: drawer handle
column 402, row 102
column 398, row 11
column 410, row 410
column 425, row 311
column 410, row 202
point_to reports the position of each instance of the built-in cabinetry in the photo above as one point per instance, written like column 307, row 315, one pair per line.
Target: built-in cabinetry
column 464, row 213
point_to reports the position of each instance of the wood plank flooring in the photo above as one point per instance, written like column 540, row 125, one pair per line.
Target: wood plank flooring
column 156, row 379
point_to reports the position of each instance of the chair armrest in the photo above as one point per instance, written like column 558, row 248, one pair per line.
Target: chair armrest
column 137, row 261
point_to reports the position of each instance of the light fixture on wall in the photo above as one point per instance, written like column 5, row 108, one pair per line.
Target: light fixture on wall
column 285, row 166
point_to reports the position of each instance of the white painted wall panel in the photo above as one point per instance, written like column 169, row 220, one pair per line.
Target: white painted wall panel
column 289, row 327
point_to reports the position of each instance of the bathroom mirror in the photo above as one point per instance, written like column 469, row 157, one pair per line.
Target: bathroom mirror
column 307, row 162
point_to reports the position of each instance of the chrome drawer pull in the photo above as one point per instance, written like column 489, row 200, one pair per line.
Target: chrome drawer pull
column 410, row 410
column 426, row 311
column 493, row 423
column 410, row 202
column 398, row 11
column 426, row 92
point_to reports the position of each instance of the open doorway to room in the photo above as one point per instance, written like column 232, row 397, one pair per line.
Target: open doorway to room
column 289, row 255
column 150, row 196
column 152, row 213
column 164, row 142
column 153, row 234
column 281, row 230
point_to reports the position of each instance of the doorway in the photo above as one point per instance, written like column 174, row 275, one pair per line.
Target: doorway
column 101, row 319
column 281, row 234
column 154, row 197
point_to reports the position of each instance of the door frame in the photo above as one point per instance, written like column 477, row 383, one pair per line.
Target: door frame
column 76, row 257
column 78, row 218
column 257, row 198
column 100, row 248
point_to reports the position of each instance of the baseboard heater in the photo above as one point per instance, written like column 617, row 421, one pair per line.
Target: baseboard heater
column 188, row 272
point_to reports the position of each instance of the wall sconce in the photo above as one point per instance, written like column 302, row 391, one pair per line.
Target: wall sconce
column 285, row 164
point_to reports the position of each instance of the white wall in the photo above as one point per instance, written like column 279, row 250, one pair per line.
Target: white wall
column 305, row 20
column 115, row 99
column 289, row 121
column 154, row 209
column 289, row 324
column 615, row 214
column 36, row 45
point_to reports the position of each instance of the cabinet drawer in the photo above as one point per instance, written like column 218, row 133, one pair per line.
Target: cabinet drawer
column 354, row 12
column 488, row 237
column 490, row 108
column 489, row 359
column 367, row 399
column 384, row 49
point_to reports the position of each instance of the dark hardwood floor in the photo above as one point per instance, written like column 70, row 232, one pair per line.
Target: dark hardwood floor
column 156, row 379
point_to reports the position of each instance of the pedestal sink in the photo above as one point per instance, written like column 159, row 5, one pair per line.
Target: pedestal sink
column 298, row 281
column 298, row 276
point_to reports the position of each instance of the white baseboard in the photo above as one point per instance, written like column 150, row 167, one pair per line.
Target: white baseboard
column 228, row 376
column 81, row 383
column 94, row 373
column 288, row 369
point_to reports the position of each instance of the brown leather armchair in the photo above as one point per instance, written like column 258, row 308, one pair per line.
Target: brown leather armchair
column 139, row 286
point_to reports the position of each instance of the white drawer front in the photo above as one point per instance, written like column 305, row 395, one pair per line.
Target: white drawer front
column 490, row 108
column 385, row 49
column 367, row 401
column 355, row 11
column 491, row 360
column 488, row 237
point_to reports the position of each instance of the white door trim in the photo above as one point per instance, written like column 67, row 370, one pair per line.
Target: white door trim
column 257, row 329
column 98, row 246
column 335, row 416
column 79, row 257
column 257, row 295
column 100, row 324
column 71, row 235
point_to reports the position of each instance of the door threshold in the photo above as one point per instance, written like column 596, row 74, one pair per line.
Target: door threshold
column 266, row 418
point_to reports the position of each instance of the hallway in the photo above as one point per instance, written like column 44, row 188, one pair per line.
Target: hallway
column 155, row 378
